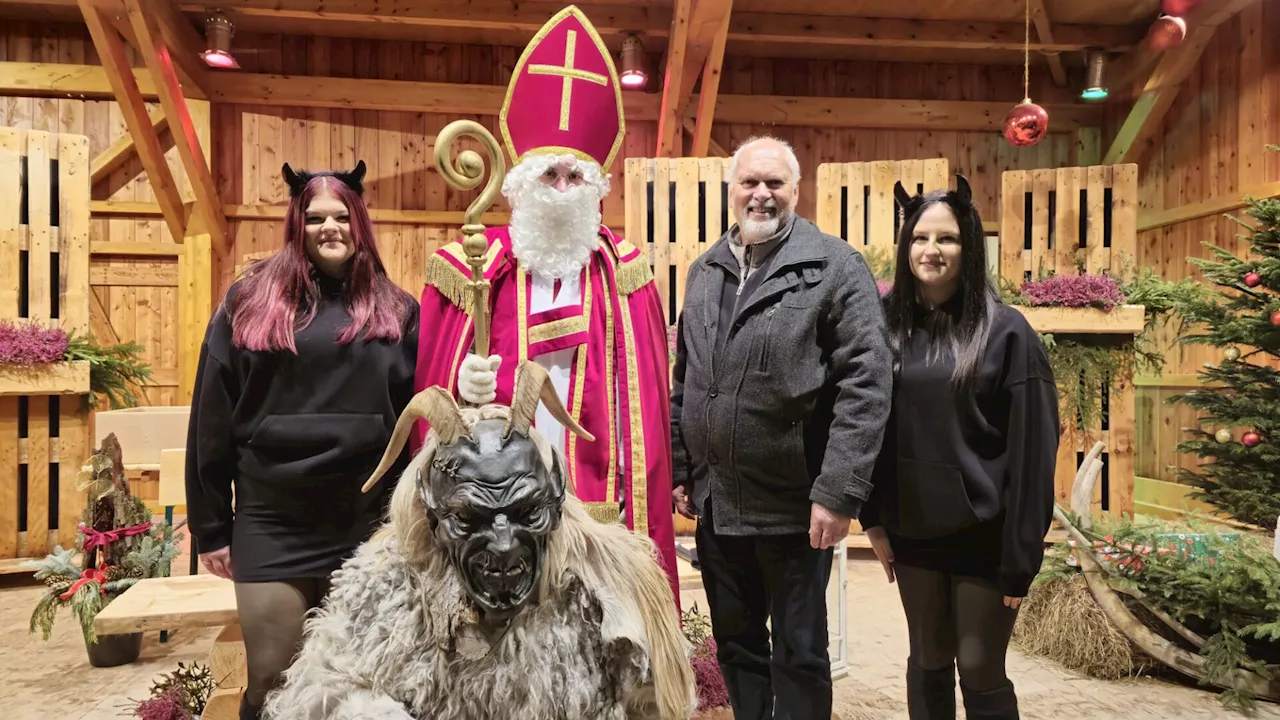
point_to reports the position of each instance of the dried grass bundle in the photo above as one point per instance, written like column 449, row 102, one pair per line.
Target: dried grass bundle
column 1060, row 620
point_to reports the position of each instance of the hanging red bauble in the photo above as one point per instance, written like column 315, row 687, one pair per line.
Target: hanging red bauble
column 1250, row 439
column 1275, row 318
column 1179, row 7
column 1252, row 279
column 1167, row 32
column 1026, row 124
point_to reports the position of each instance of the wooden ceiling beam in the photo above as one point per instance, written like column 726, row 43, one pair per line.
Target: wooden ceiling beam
column 146, row 18
column 1162, row 87
column 192, row 86
column 614, row 20
column 256, row 89
column 670, row 115
column 78, row 82
column 125, row 89
column 709, row 89
column 1044, row 31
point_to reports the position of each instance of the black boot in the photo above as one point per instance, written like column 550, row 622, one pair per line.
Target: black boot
column 1000, row 703
column 931, row 694
column 247, row 711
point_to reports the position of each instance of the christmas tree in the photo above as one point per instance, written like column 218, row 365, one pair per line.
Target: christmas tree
column 1241, row 393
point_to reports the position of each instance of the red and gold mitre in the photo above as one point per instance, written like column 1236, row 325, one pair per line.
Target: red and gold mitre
column 564, row 97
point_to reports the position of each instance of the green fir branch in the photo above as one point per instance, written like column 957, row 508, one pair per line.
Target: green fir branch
column 112, row 370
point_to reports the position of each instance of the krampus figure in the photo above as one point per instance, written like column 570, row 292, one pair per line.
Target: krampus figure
column 491, row 593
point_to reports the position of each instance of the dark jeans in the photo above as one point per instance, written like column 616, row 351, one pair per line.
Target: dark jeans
column 768, row 578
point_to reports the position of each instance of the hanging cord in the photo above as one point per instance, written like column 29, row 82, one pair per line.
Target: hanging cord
column 1026, row 56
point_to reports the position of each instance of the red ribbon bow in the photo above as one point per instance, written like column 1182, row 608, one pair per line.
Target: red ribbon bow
column 98, row 575
column 93, row 538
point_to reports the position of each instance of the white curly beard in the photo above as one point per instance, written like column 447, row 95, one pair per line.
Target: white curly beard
column 553, row 233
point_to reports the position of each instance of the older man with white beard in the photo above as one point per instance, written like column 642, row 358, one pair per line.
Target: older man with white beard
column 565, row 291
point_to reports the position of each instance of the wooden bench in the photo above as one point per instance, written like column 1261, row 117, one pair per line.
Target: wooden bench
column 184, row 602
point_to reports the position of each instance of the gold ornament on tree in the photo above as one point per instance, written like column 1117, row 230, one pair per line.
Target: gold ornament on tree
column 467, row 175
column 1232, row 354
column 1223, row 436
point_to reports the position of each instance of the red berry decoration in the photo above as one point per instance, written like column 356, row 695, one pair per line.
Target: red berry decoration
column 1250, row 439
column 1252, row 279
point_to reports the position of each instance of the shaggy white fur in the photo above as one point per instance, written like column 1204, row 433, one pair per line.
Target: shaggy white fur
column 554, row 233
column 397, row 637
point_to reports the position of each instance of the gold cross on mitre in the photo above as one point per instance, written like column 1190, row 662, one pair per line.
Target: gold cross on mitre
column 569, row 73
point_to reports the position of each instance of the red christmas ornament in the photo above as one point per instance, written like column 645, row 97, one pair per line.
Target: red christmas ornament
column 1252, row 279
column 1167, row 32
column 1251, row 439
column 1275, row 318
column 1026, row 124
column 1180, row 7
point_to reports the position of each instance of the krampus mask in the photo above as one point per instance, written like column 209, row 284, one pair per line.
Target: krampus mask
column 493, row 489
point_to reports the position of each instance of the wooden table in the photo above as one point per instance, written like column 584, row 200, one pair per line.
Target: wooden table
column 184, row 602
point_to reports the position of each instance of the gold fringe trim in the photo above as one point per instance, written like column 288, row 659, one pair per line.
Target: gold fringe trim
column 603, row 512
column 445, row 277
column 633, row 275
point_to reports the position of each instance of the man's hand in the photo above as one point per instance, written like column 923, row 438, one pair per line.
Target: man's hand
column 880, row 546
column 826, row 527
column 1012, row 602
column 478, row 379
column 684, row 504
column 218, row 562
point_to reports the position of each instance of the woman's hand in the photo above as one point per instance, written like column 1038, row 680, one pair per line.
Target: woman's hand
column 218, row 562
column 1012, row 602
column 880, row 545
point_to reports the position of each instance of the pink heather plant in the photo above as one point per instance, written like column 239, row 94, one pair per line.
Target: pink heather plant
column 712, row 692
column 1100, row 291
column 165, row 706
column 30, row 344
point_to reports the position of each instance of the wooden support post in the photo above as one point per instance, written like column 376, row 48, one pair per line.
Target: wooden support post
column 145, row 17
column 670, row 122
column 122, row 150
column 111, row 51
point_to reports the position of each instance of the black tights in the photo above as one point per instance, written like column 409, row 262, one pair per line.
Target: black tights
column 271, row 617
column 956, row 624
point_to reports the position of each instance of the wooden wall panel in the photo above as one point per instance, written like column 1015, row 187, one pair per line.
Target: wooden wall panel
column 1211, row 145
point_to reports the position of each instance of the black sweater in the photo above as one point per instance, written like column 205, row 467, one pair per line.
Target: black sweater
column 297, row 434
column 965, row 483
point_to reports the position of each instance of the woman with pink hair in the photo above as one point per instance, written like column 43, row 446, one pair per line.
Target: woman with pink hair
column 305, row 367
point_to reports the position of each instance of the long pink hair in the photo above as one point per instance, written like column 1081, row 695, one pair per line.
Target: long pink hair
column 278, row 295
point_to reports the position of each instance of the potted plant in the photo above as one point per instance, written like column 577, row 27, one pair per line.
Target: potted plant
column 713, row 696
column 118, row 544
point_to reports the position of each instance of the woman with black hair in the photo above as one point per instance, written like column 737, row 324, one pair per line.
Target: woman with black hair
column 963, row 491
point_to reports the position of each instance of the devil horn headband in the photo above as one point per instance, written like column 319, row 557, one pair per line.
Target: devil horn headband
column 298, row 179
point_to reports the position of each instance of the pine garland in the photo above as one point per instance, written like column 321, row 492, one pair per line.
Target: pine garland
column 1229, row 593
column 111, row 370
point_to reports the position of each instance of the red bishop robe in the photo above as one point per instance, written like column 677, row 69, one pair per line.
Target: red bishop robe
column 604, row 341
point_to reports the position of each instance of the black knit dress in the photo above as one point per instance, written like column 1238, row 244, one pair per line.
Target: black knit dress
column 296, row 436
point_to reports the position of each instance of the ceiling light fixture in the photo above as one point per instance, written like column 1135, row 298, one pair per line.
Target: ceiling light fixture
column 1095, row 83
column 218, row 32
column 633, row 74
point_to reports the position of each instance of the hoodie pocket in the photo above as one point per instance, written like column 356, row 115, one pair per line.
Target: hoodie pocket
column 932, row 499
column 318, row 443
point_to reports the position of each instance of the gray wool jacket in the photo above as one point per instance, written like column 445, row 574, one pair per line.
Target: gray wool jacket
column 792, row 409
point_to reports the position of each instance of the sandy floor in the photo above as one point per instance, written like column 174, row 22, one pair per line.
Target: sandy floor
column 52, row 680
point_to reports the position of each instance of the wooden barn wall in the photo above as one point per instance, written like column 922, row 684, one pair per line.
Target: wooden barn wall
column 131, row 299
column 1211, row 145
column 135, row 298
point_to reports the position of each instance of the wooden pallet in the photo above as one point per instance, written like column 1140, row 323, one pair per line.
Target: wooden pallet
column 1061, row 221
column 44, row 277
column 856, row 200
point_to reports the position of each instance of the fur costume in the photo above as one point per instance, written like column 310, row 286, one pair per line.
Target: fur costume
column 403, row 634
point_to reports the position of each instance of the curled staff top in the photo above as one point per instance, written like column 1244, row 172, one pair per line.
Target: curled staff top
column 564, row 96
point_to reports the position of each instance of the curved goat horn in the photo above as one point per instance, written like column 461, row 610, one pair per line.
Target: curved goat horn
column 533, row 384
column 436, row 406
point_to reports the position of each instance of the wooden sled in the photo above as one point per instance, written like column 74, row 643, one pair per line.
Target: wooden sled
column 1108, row 597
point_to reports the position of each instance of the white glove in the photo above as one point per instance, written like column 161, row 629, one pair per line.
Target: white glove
column 478, row 379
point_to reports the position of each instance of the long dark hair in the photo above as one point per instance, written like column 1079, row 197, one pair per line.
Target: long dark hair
column 279, row 294
column 963, row 325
